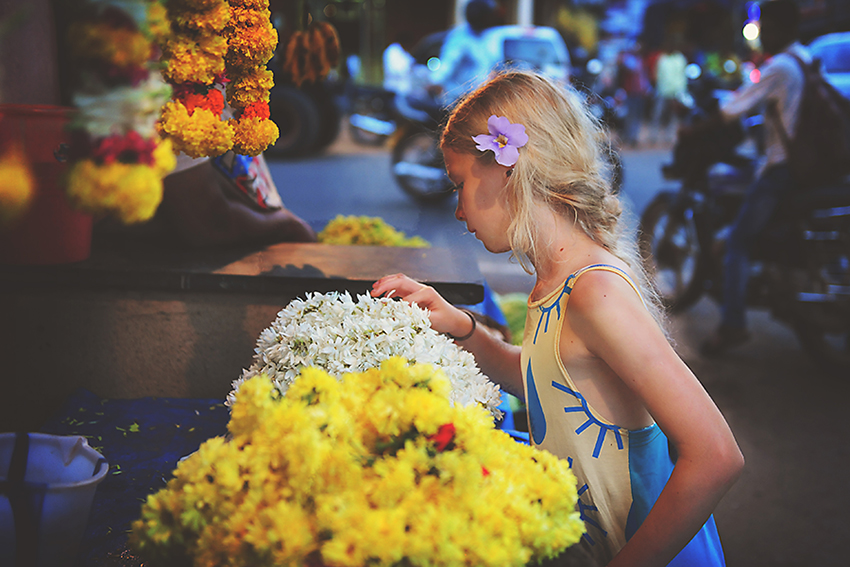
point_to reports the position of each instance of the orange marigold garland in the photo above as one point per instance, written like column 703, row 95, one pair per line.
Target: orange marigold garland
column 251, row 40
column 118, row 160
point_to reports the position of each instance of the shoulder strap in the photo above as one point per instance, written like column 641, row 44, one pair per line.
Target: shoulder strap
column 606, row 268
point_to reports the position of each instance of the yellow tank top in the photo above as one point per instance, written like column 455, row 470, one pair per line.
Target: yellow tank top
column 620, row 472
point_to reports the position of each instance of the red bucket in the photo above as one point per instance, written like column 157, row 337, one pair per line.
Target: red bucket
column 51, row 231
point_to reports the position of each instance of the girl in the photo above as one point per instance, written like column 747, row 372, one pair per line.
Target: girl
column 604, row 388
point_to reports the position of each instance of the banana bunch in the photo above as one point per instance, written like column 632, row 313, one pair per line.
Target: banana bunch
column 311, row 54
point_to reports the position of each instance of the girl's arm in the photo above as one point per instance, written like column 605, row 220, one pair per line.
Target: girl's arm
column 497, row 359
column 607, row 315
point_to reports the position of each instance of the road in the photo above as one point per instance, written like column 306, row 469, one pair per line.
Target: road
column 790, row 507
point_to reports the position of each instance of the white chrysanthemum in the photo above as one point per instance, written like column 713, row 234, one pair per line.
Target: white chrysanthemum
column 338, row 334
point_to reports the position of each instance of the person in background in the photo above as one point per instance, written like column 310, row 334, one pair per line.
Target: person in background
column 781, row 83
column 633, row 80
column 670, row 85
column 605, row 390
column 464, row 60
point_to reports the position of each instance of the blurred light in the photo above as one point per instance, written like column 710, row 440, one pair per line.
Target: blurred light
column 330, row 10
column 692, row 71
column 751, row 31
column 755, row 76
column 594, row 66
column 753, row 11
column 433, row 63
column 729, row 66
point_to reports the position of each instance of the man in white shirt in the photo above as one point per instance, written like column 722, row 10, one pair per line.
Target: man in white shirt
column 781, row 83
column 465, row 60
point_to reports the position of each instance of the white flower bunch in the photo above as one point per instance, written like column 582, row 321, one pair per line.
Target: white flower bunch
column 338, row 334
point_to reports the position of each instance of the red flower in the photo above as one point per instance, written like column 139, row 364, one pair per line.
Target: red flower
column 130, row 148
column 444, row 436
column 212, row 100
column 259, row 109
column 484, row 471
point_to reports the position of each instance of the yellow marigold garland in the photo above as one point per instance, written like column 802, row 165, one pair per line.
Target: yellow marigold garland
column 376, row 469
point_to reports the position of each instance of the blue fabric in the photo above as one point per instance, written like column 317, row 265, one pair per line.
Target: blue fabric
column 141, row 458
column 650, row 467
column 758, row 208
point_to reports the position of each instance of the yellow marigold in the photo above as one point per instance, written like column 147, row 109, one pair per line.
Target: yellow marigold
column 251, row 40
column 211, row 20
column 198, row 135
column 164, row 159
column 250, row 4
column 119, row 46
column 250, row 87
column 194, row 5
column 158, row 25
column 366, row 231
column 252, row 136
column 193, row 60
column 131, row 192
column 17, row 185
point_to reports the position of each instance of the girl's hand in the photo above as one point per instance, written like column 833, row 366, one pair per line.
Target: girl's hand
column 445, row 318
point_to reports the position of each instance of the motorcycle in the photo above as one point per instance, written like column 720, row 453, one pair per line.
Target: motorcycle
column 800, row 266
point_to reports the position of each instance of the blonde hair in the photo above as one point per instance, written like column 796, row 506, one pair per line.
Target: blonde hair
column 565, row 165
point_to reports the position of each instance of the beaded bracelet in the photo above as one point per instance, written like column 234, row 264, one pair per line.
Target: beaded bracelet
column 469, row 334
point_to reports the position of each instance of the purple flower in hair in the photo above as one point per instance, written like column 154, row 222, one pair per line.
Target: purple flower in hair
column 504, row 139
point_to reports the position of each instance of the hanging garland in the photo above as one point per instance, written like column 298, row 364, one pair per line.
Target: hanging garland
column 214, row 43
column 251, row 41
column 118, row 160
column 311, row 53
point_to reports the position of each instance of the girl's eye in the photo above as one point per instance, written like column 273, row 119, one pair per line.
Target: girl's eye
column 457, row 187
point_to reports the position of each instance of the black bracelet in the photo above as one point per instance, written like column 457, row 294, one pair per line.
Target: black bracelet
column 469, row 334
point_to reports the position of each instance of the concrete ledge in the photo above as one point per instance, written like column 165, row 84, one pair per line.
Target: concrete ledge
column 134, row 321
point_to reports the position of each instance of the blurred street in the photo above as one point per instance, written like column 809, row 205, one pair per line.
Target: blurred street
column 790, row 506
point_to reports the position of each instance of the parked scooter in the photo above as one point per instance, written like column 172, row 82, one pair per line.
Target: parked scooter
column 800, row 266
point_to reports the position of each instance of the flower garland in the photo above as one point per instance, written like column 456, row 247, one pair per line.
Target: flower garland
column 333, row 332
column 376, row 468
column 118, row 160
column 213, row 43
column 366, row 231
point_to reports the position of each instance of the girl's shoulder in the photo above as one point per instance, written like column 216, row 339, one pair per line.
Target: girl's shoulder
column 603, row 288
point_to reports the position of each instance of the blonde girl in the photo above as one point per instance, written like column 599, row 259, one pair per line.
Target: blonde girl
column 604, row 388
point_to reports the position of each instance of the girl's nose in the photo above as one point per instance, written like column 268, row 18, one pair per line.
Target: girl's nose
column 459, row 211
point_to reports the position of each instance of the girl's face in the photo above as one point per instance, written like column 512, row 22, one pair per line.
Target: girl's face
column 481, row 198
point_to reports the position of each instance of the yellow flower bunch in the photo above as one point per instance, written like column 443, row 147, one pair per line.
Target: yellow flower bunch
column 17, row 185
column 376, row 469
column 366, row 231
column 131, row 191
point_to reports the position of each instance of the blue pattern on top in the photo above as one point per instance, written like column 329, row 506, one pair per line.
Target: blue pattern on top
column 604, row 428
column 535, row 410
column 547, row 311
